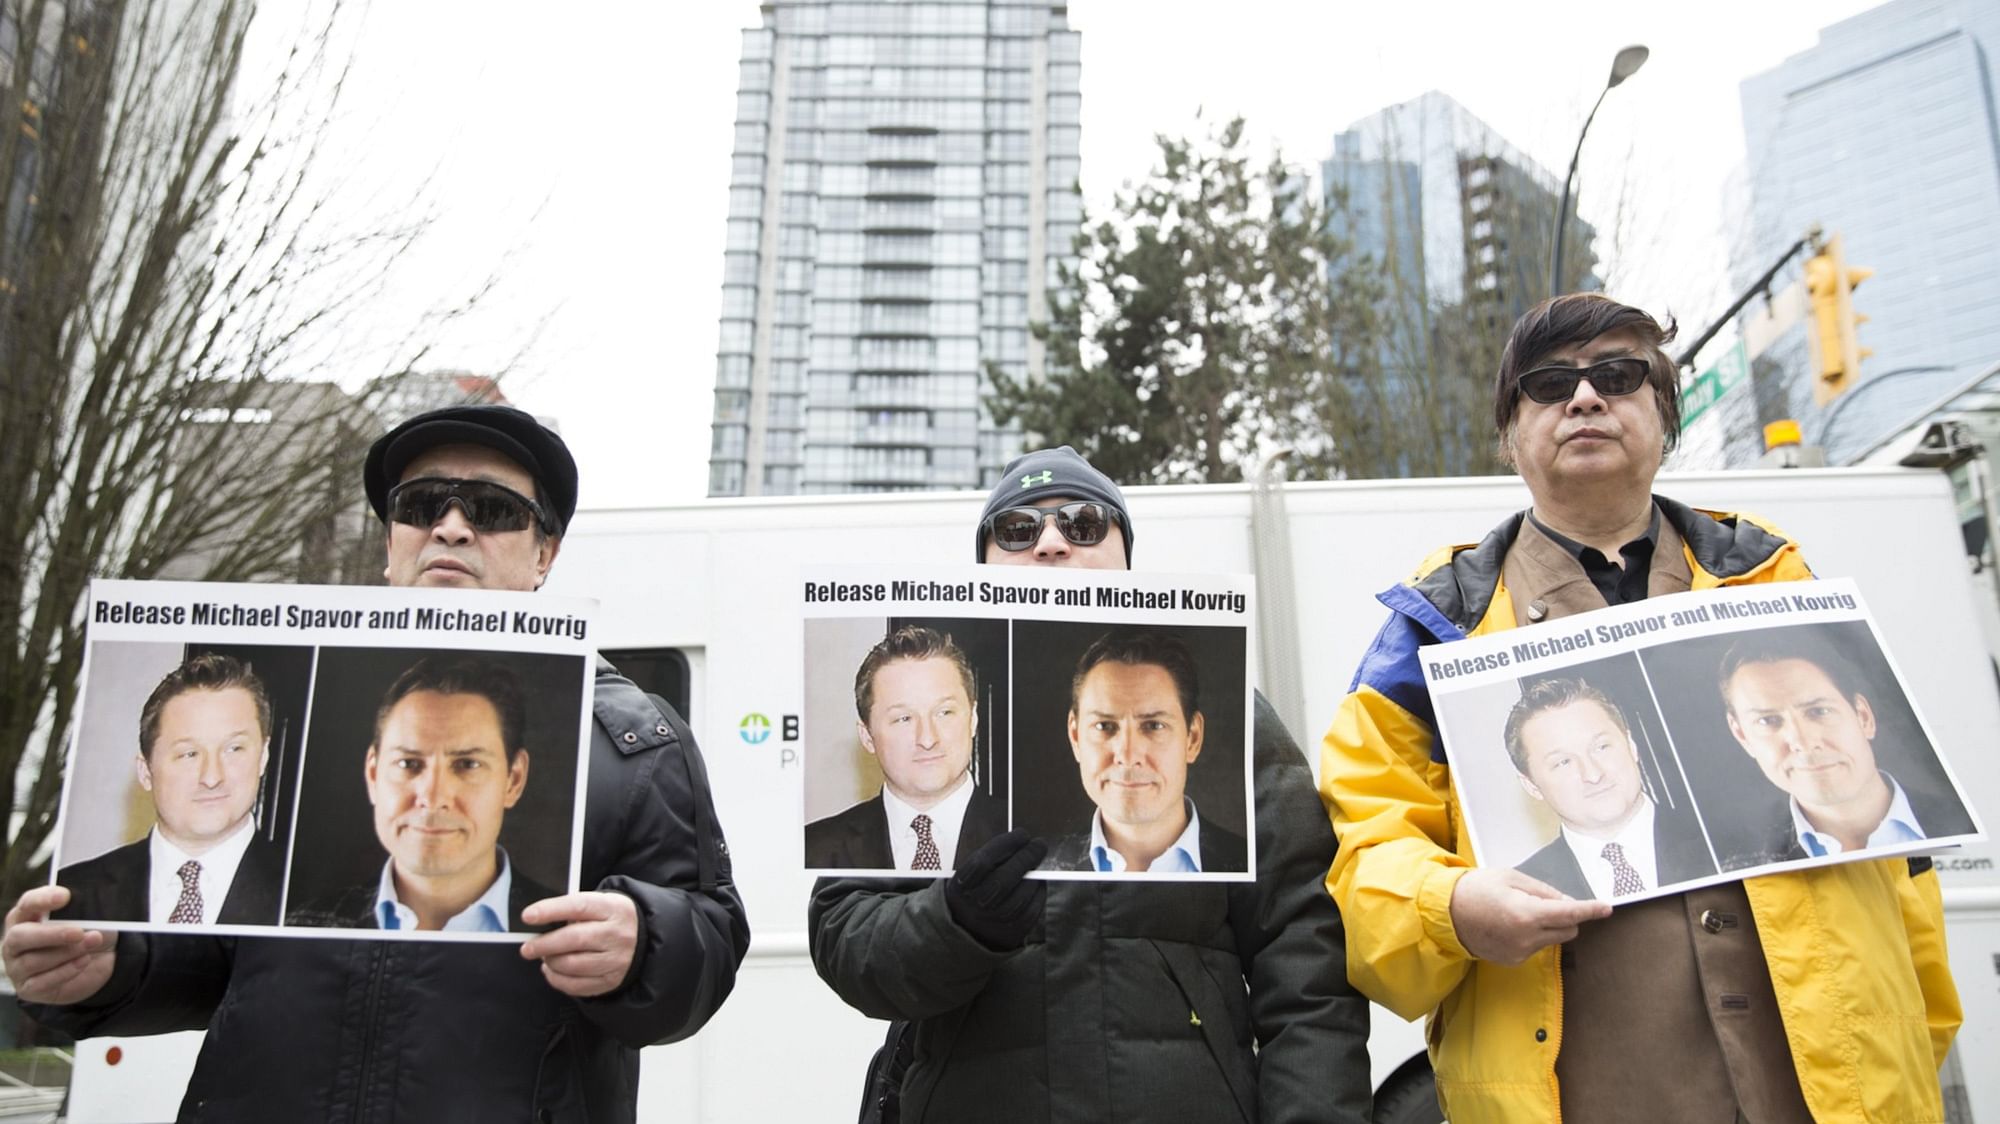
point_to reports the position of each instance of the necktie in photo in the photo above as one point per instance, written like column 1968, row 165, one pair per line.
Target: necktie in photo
column 1624, row 876
column 187, row 911
column 927, row 852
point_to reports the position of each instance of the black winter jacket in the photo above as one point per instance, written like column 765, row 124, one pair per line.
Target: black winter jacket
column 338, row 1030
column 1129, row 1002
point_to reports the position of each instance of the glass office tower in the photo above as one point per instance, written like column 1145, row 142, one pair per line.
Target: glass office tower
column 1882, row 132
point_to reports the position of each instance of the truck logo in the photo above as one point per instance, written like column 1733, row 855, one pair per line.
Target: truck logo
column 1033, row 478
column 755, row 729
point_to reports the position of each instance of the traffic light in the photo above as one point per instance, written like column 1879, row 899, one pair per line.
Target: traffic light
column 1837, row 350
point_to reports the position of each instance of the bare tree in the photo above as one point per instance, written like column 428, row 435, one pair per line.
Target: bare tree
column 170, row 269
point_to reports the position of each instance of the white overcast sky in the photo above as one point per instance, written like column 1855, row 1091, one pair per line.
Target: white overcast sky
column 583, row 150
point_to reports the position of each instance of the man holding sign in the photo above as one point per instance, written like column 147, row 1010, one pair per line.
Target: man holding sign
column 1022, row 1001
column 472, row 497
column 1735, row 1001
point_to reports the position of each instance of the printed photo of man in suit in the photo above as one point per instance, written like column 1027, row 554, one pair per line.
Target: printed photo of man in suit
column 204, row 742
column 446, row 763
column 1802, row 712
column 1135, row 729
column 1574, row 751
column 913, row 700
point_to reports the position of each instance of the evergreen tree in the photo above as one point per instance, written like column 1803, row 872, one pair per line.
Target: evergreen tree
column 1198, row 327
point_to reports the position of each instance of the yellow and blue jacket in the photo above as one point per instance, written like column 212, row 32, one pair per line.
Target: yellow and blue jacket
column 1856, row 951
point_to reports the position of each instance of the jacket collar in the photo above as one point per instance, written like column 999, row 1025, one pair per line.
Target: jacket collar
column 1457, row 591
column 1724, row 545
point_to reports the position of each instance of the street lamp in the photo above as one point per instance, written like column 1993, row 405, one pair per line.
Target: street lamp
column 1624, row 66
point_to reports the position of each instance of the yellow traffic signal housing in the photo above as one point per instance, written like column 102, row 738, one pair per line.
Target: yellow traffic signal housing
column 1836, row 346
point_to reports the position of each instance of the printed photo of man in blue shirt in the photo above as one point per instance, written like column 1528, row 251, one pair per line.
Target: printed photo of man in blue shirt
column 1135, row 729
column 1803, row 714
column 447, row 761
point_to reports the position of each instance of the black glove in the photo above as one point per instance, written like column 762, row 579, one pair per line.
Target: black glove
column 991, row 898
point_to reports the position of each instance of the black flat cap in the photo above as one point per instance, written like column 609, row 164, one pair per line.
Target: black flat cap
column 504, row 429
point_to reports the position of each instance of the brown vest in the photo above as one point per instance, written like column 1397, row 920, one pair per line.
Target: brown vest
column 1668, row 1012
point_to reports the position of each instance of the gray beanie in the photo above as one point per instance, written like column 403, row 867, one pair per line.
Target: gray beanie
column 1051, row 472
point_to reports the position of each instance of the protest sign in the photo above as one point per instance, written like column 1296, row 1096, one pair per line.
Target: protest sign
column 1681, row 741
column 1105, row 712
column 309, row 760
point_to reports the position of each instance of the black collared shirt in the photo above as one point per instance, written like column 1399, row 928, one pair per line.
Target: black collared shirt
column 1620, row 586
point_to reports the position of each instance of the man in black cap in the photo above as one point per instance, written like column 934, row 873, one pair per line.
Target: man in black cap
column 497, row 466
column 1019, row 1001
column 474, row 497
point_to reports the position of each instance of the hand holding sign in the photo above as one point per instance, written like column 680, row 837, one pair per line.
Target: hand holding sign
column 54, row 963
column 1505, row 916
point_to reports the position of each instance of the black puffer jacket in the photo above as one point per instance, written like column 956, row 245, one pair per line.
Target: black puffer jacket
column 334, row 1030
column 1128, row 1002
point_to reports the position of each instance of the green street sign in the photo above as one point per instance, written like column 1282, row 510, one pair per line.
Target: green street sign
column 1707, row 388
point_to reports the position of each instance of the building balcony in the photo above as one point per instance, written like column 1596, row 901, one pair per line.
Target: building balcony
column 882, row 217
column 902, row 150
column 894, row 436
column 897, row 320
column 898, row 250
column 872, row 476
column 909, row 117
column 901, row 183
column 872, row 394
column 890, row 364
column 896, row 284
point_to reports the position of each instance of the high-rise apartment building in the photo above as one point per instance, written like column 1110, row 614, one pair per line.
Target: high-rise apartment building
column 1883, row 132
column 903, row 186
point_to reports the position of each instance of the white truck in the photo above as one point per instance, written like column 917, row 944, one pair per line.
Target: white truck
column 700, row 603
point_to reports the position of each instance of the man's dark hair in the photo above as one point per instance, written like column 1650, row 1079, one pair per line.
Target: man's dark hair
column 910, row 642
column 1579, row 318
column 1780, row 645
column 464, row 675
column 1547, row 694
column 210, row 671
column 1134, row 646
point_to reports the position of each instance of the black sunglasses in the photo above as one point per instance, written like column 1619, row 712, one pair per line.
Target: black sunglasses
column 1552, row 386
column 490, row 508
column 1083, row 523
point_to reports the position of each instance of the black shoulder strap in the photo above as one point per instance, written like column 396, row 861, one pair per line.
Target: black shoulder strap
column 882, row 1088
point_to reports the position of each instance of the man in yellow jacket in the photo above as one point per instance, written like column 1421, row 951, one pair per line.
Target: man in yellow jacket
column 1820, row 994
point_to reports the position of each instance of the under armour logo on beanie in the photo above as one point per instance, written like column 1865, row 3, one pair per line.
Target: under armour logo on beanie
column 1060, row 471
